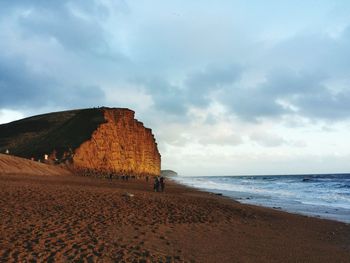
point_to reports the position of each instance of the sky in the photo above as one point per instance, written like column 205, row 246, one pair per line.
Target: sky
column 229, row 87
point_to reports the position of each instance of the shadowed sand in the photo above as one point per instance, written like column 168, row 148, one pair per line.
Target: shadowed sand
column 69, row 218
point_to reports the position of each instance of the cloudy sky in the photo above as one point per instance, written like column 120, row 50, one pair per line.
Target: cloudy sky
column 228, row 87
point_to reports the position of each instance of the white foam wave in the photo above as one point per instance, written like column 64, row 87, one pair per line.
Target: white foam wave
column 322, row 192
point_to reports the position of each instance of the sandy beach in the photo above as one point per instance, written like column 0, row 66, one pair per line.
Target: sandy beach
column 70, row 218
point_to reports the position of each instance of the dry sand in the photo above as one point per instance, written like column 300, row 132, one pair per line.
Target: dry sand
column 14, row 165
column 69, row 218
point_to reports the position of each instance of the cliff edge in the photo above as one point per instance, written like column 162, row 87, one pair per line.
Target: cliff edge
column 102, row 140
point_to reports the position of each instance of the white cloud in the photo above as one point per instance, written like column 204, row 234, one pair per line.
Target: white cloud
column 9, row 115
column 266, row 139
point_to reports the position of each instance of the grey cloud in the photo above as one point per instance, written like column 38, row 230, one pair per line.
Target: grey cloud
column 317, row 50
column 18, row 86
column 24, row 3
column 166, row 97
column 299, row 69
column 76, row 25
column 199, row 85
column 301, row 89
column 251, row 104
column 90, row 6
column 197, row 88
column 69, row 30
column 308, row 93
column 326, row 105
column 78, row 96
column 304, row 90
column 284, row 82
column 213, row 77
column 21, row 88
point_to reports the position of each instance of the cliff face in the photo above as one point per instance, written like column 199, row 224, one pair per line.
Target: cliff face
column 103, row 140
column 122, row 145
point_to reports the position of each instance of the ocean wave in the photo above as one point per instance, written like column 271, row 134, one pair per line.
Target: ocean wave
column 318, row 190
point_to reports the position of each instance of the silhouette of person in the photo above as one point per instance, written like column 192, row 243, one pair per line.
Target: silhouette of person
column 156, row 184
column 161, row 183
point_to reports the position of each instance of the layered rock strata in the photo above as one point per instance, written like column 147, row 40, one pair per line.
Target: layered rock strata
column 121, row 146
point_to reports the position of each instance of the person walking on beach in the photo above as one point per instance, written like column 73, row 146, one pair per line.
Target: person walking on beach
column 161, row 183
column 156, row 184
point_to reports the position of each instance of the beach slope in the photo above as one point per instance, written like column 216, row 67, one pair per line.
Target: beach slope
column 14, row 165
column 71, row 218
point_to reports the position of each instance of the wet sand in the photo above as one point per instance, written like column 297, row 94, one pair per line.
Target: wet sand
column 70, row 218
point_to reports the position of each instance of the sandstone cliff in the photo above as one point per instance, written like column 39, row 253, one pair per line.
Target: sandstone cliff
column 102, row 140
column 121, row 145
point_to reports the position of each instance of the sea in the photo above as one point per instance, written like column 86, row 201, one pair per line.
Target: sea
column 320, row 195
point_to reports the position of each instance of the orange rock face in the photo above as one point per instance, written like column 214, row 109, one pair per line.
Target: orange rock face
column 122, row 145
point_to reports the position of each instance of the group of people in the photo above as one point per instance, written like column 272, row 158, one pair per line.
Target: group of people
column 159, row 184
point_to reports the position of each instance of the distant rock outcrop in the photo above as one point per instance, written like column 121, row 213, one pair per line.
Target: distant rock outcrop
column 103, row 140
column 168, row 173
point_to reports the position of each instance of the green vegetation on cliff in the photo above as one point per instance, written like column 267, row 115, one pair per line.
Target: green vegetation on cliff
column 42, row 134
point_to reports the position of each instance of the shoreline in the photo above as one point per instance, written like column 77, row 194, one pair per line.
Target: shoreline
column 321, row 211
column 68, row 218
column 318, row 215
